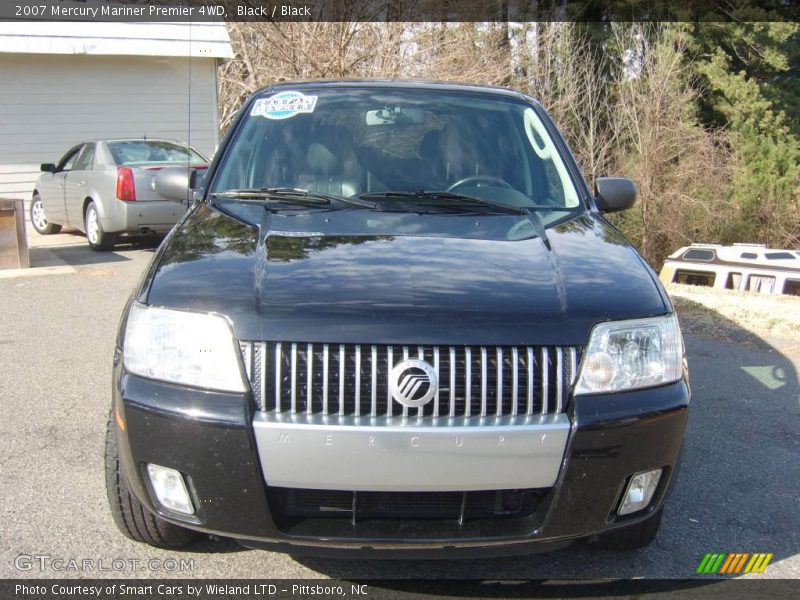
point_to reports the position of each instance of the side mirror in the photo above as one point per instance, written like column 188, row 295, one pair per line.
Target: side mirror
column 196, row 178
column 613, row 194
column 173, row 183
column 47, row 168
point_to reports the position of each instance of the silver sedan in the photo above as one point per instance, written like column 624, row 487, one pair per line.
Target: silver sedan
column 107, row 190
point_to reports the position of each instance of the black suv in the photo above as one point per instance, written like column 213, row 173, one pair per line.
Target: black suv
column 395, row 321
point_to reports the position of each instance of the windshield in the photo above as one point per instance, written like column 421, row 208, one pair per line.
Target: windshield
column 129, row 152
column 373, row 143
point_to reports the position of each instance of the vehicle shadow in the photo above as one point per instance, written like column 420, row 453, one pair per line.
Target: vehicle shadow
column 737, row 491
column 215, row 545
column 80, row 254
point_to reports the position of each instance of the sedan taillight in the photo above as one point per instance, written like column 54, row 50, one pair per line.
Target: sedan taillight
column 126, row 191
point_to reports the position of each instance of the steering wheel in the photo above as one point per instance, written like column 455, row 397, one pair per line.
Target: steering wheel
column 477, row 179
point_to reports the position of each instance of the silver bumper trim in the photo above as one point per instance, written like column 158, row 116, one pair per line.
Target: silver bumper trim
column 409, row 454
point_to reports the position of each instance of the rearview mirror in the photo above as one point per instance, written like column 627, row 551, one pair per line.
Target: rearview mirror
column 47, row 168
column 395, row 115
column 613, row 194
column 173, row 183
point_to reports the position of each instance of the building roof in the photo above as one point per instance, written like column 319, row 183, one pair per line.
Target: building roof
column 757, row 255
column 201, row 40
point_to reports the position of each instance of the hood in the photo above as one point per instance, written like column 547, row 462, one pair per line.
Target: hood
column 364, row 277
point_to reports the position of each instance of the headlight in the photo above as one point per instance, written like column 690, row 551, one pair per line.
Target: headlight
column 625, row 355
column 178, row 346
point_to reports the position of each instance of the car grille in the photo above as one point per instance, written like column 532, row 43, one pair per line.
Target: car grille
column 406, row 516
column 352, row 379
column 355, row 506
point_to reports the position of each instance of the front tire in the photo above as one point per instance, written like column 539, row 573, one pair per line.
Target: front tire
column 130, row 516
column 97, row 237
column 39, row 220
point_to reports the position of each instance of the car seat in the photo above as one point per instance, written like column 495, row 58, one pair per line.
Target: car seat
column 458, row 154
column 331, row 162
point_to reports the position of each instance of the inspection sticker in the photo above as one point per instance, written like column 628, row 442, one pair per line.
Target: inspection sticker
column 284, row 105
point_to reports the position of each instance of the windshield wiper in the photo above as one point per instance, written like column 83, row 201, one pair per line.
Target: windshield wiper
column 443, row 199
column 288, row 195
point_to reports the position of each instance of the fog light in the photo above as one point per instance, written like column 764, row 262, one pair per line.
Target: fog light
column 640, row 491
column 170, row 489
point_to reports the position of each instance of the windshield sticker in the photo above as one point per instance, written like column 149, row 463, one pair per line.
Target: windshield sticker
column 284, row 105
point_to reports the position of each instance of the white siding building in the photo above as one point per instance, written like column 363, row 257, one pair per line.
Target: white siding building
column 62, row 83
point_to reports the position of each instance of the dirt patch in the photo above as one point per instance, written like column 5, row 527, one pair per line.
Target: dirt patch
column 741, row 317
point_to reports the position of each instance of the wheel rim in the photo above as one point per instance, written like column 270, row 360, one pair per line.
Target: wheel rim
column 37, row 215
column 92, row 226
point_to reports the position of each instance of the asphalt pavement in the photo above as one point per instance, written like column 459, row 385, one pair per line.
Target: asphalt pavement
column 738, row 491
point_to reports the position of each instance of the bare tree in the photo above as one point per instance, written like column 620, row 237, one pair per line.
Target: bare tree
column 681, row 168
column 267, row 52
column 566, row 75
column 627, row 111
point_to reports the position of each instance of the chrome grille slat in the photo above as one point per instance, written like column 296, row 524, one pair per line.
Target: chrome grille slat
column 358, row 381
column 559, row 378
column 483, row 381
column 389, row 365
column 325, row 357
column 263, row 378
column 530, row 381
column 309, row 378
column 573, row 366
column 438, row 376
column 278, row 380
column 487, row 381
column 545, row 370
column 468, row 382
column 341, row 379
column 294, row 379
column 405, row 357
column 374, row 382
column 421, row 356
column 452, row 410
column 514, row 381
column 499, row 400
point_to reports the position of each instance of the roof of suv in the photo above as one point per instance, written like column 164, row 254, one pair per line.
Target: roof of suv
column 392, row 83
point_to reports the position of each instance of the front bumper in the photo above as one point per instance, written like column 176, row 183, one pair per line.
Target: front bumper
column 210, row 438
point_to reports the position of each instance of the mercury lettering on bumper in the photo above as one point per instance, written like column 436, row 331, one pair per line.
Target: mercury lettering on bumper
column 345, row 453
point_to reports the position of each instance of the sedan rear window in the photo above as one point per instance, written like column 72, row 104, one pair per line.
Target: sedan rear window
column 146, row 151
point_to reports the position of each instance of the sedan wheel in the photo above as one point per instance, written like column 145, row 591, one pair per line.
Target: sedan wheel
column 39, row 220
column 98, row 239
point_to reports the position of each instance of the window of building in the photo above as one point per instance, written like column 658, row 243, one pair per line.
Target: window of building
column 698, row 254
column 764, row 284
column 792, row 287
column 694, row 278
column 733, row 281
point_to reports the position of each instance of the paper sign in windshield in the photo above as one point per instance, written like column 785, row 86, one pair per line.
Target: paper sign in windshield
column 284, row 105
